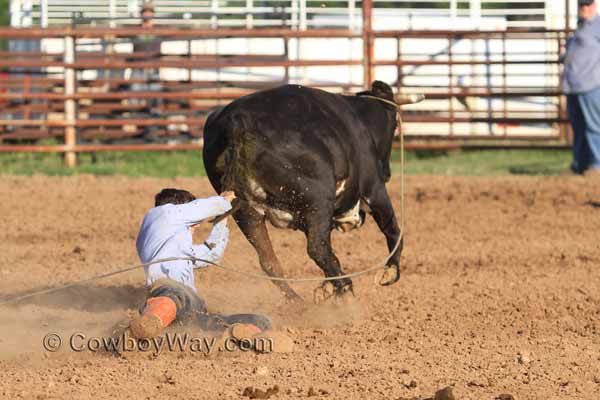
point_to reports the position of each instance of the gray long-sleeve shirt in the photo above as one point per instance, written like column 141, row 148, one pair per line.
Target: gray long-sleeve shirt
column 582, row 58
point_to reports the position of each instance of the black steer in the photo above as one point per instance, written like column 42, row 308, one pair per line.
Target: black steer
column 306, row 159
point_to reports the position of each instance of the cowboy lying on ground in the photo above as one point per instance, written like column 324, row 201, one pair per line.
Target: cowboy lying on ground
column 166, row 232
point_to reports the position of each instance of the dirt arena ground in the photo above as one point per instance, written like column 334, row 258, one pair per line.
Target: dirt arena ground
column 500, row 294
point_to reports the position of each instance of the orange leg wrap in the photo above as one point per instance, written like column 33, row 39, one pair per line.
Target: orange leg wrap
column 163, row 307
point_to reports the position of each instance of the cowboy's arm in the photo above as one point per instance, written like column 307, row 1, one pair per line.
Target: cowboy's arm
column 213, row 248
column 200, row 210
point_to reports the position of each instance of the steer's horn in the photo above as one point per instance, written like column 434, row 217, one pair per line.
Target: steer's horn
column 409, row 98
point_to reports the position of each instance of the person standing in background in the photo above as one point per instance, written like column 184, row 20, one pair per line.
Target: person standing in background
column 147, row 47
column 148, row 43
column 581, row 84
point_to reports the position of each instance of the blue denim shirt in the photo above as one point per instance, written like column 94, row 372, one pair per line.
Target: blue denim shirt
column 582, row 58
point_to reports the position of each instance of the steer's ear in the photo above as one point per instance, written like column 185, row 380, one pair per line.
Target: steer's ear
column 383, row 90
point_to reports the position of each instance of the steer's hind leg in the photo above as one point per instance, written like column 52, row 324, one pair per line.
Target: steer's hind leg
column 254, row 228
column 318, row 236
column 383, row 213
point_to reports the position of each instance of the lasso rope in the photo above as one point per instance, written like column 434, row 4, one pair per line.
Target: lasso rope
column 243, row 273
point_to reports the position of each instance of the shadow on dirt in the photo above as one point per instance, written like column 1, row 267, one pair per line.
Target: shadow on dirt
column 592, row 203
column 535, row 169
column 86, row 298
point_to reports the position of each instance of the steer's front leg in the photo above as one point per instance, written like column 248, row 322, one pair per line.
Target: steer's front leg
column 383, row 213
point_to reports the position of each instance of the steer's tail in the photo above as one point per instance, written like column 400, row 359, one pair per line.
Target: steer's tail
column 239, row 154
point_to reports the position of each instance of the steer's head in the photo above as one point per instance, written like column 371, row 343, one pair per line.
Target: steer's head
column 380, row 119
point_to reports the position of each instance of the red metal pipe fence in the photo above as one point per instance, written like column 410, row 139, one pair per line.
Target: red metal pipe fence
column 45, row 95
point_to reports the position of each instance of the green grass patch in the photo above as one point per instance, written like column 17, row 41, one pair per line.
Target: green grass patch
column 485, row 162
column 159, row 164
column 189, row 163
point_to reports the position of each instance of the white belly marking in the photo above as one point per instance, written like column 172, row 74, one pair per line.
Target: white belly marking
column 349, row 220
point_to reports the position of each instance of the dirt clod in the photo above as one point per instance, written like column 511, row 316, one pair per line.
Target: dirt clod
column 410, row 385
column 524, row 357
column 444, row 394
column 167, row 378
column 261, row 370
column 504, row 396
column 255, row 393
column 476, row 383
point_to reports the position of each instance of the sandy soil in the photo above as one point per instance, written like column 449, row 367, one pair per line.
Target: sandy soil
column 499, row 295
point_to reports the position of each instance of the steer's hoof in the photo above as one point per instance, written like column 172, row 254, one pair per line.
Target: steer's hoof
column 388, row 276
column 344, row 296
column 324, row 293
